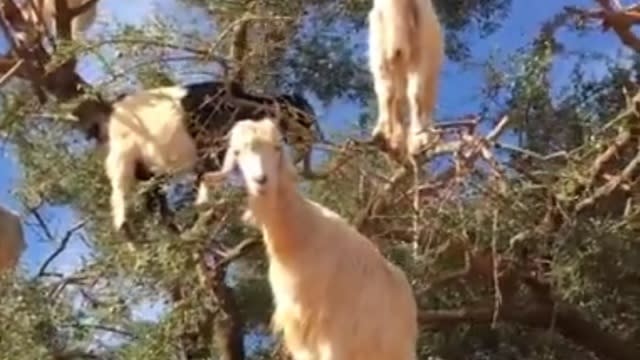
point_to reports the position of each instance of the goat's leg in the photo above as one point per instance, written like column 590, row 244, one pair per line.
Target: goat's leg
column 204, row 164
column 421, row 94
column 153, row 195
column 120, row 171
column 156, row 199
column 303, row 154
column 389, row 129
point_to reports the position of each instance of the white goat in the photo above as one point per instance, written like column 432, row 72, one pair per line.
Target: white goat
column 12, row 242
column 406, row 50
column 176, row 129
column 79, row 24
column 336, row 296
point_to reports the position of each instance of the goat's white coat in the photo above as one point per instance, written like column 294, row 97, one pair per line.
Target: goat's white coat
column 406, row 51
column 12, row 242
column 147, row 126
column 336, row 296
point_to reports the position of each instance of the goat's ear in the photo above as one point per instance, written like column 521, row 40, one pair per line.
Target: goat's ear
column 214, row 177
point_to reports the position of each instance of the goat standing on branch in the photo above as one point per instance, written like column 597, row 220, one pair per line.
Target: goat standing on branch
column 336, row 296
column 12, row 242
column 406, row 51
column 174, row 129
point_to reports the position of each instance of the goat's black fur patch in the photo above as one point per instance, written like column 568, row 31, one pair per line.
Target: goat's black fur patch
column 214, row 107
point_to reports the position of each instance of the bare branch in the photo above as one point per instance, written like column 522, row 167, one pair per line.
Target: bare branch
column 63, row 245
column 237, row 252
column 9, row 73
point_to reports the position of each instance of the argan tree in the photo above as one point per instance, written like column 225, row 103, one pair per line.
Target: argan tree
column 518, row 228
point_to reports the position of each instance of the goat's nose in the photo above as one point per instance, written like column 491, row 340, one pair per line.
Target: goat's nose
column 261, row 179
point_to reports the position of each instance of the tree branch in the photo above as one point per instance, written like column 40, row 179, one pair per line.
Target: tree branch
column 63, row 245
column 566, row 320
column 614, row 16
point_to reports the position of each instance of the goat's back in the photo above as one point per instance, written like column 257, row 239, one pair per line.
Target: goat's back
column 12, row 242
column 338, row 292
column 150, row 124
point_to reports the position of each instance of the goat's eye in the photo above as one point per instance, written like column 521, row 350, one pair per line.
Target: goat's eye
column 278, row 148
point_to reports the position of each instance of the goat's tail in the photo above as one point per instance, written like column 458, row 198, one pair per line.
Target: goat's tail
column 402, row 26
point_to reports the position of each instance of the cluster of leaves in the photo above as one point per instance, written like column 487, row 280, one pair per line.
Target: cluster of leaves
column 470, row 221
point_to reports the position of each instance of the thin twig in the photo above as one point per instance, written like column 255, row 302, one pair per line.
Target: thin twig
column 6, row 76
column 496, row 278
column 63, row 245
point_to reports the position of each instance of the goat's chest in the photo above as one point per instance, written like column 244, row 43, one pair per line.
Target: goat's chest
column 286, row 287
column 298, row 294
column 295, row 313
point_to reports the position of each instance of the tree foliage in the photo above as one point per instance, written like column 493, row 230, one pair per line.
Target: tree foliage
column 520, row 242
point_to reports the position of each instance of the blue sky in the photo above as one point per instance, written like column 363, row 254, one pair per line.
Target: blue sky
column 459, row 94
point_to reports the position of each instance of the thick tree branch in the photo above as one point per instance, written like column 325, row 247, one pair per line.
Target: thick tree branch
column 565, row 320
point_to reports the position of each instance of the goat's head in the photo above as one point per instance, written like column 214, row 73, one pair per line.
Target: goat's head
column 92, row 116
column 255, row 148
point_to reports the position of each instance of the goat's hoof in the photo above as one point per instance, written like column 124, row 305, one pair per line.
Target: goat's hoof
column 119, row 221
column 125, row 231
column 420, row 141
column 380, row 140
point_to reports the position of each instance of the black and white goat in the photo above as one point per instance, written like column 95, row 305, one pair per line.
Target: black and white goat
column 177, row 129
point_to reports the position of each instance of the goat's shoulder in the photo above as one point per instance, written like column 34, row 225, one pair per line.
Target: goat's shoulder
column 335, row 223
column 324, row 212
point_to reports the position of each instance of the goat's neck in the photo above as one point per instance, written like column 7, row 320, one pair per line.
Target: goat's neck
column 283, row 220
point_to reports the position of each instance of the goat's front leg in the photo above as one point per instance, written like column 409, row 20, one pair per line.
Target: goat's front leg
column 204, row 164
column 156, row 199
column 421, row 94
column 390, row 128
column 120, row 170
